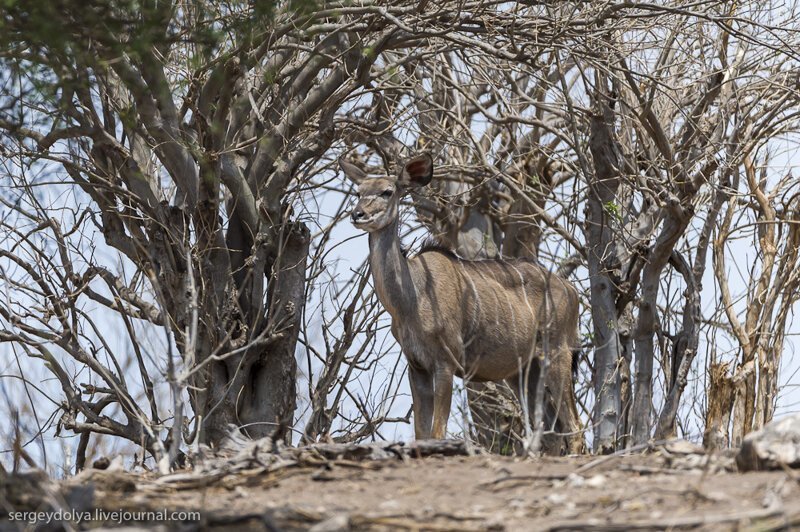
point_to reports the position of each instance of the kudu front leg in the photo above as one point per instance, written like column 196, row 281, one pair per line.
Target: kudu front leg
column 422, row 396
column 443, row 396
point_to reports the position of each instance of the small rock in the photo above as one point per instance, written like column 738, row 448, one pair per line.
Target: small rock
column 574, row 480
column 390, row 504
column 683, row 447
column 336, row 523
column 777, row 444
column 716, row 496
column 596, row 481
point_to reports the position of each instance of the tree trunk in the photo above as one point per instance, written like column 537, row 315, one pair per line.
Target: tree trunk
column 255, row 389
column 268, row 398
column 744, row 394
column 603, row 266
column 684, row 350
column 496, row 417
column 626, row 389
column 720, row 402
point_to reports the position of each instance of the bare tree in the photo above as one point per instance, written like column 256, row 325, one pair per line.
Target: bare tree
column 769, row 296
column 173, row 165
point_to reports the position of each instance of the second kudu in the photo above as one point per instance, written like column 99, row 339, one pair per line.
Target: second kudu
column 479, row 320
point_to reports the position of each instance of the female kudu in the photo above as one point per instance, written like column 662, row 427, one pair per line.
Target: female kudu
column 479, row 320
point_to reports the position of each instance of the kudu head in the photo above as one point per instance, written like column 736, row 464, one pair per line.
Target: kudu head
column 379, row 197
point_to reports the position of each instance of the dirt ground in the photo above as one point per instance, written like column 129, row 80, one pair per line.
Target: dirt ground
column 661, row 490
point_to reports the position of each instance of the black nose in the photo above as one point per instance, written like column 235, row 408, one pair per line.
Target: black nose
column 357, row 215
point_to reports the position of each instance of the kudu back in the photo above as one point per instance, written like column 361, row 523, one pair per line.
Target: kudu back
column 481, row 320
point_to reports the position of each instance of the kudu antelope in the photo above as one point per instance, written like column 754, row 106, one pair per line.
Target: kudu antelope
column 478, row 320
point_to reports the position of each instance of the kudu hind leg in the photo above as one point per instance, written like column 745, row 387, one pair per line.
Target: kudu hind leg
column 572, row 423
column 565, row 403
column 422, row 396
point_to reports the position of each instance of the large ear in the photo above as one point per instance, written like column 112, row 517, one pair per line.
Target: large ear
column 417, row 172
column 353, row 172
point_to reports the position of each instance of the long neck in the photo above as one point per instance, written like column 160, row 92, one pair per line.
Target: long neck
column 391, row 273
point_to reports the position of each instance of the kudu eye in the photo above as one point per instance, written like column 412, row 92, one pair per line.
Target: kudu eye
column 387, row 193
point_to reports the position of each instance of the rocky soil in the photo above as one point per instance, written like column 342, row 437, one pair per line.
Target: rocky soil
column 431, row 486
